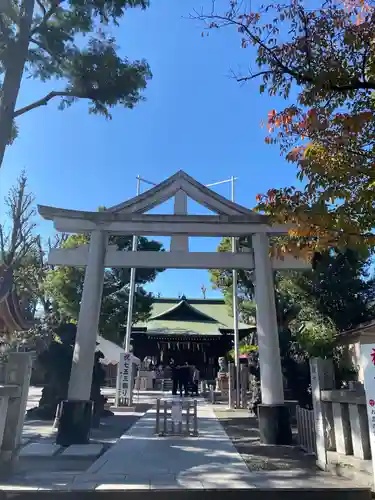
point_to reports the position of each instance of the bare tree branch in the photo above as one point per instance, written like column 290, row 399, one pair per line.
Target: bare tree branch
column 300, row 77
column 2, row 244
column 21, row 239
column 42, row 8
column 44, row 101
column 252, row 76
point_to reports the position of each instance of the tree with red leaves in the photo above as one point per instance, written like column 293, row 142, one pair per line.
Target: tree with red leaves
column 328, row 56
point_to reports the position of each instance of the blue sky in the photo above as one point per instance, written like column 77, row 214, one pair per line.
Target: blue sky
column 196, row 118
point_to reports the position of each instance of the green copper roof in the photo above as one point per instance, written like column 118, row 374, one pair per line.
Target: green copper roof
column 193, row 317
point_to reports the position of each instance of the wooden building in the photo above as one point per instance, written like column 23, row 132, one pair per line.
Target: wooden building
column 12, row 311
column 198, row 331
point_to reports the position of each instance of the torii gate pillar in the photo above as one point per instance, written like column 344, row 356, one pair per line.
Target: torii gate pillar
column 273, row 414
column 78, row 408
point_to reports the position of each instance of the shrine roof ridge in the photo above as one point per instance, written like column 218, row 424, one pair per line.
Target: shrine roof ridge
column 196, row 300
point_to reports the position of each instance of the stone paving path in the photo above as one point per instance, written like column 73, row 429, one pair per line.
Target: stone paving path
column 140, row 460
column 43, row 463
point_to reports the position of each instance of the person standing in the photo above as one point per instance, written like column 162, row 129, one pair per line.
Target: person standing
column 184, row 379
column 175, row 381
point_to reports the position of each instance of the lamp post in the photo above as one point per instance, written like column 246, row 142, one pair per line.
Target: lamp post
column 131, row 287
column 235, row 318
column 129, row 318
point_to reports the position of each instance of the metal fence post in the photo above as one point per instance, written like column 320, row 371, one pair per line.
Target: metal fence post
column 157, row 429
column 172, row 421
column 188, row 418
column 195, row 418
column 180, row 425
column 165, row 417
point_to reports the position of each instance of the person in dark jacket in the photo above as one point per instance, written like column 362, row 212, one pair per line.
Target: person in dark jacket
column 184, row 376
column 175, row 377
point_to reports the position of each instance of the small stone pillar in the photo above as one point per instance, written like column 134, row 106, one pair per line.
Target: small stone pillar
column 17, row 372
column 212, row 394
column 244, row 380
column 360, row 431
column 231, row 385
column 322, row 378
column 341, row 423
column 203, row 387
column 223, row 384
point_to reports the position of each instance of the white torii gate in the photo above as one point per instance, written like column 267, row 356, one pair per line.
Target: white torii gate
column 130, row 218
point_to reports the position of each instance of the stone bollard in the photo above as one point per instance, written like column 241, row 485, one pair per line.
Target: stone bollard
column 322, row 378
column 212, row 394
column 231, row 384
column 244, row 380
column 17, row 372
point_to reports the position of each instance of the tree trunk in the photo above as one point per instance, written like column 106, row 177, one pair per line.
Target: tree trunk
column 16, row 58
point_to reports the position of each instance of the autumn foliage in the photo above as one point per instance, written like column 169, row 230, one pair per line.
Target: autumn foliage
column 325, row 59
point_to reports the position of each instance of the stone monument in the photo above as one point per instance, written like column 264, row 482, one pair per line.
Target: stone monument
column 222, row 380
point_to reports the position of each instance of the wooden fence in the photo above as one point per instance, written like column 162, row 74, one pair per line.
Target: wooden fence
column 306, row 429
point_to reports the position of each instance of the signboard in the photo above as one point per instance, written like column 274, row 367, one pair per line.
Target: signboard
column 368, row 367
column 124, row 389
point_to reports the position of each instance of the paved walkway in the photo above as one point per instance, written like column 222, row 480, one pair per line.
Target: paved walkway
column 141, row 460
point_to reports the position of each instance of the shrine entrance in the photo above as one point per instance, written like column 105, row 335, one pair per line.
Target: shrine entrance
column 131, row 218
column 194, row 330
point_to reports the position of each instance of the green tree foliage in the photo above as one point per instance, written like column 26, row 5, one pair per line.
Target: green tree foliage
column 342, row 287
column 64, row 286
column 303, row 328
column 68, row 41
column 313, row 306
column 321, row 60
column 222, row 279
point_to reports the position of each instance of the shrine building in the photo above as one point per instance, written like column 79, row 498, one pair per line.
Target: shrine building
column 198, row 331
column 13, row 312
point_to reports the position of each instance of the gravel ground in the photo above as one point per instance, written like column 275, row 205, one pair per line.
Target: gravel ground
column 243, row 431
